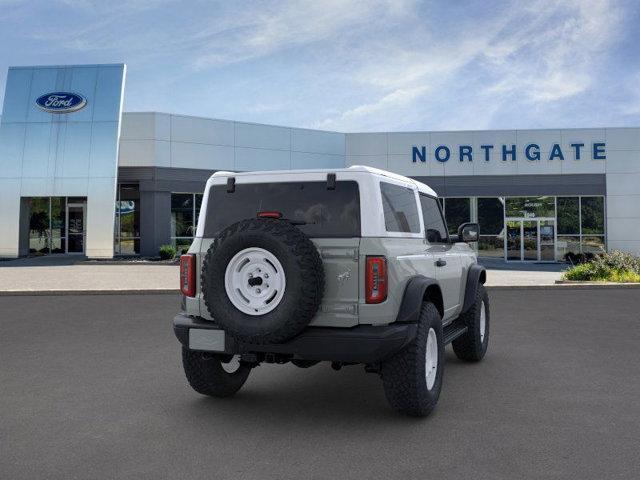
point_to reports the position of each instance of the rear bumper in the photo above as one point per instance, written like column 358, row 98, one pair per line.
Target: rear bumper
column 360, row 344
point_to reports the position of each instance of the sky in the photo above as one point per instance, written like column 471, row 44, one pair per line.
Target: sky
column 351, row 65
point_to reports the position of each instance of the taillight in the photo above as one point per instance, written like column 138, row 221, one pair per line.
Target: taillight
column 376, row 280
column 188, row 275
column 269, row 215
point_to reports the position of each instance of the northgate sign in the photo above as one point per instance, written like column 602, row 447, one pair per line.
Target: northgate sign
column 531, row 152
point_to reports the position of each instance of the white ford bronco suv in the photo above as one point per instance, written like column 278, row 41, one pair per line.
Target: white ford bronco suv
column 350, row 266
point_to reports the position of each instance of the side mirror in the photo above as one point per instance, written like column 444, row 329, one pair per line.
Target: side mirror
column 469, row 232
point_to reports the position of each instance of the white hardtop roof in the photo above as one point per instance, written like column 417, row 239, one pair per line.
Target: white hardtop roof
column 355, row 168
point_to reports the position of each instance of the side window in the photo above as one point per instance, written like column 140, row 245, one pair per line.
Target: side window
column 400, row 209
column 434, row 227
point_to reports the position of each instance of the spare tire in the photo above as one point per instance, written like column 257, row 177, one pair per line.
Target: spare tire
column 262, row 280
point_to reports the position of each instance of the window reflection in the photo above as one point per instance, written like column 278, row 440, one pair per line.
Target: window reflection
column 185, row 211
column 127, row 220
column 456, row 211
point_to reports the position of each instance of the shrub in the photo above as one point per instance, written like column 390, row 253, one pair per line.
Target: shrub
column 617, row 260
column 615, row 266
column 167, row 252
column 579, row 272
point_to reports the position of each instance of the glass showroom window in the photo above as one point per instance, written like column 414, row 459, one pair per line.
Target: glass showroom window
column 580, row 225
column 568, row 225
column 592, row 224
column 127, row 228
column 185, row 209
column 47, row 225
column 39, row 225
column 456, row 211
column 491, row 221
column 530, row 207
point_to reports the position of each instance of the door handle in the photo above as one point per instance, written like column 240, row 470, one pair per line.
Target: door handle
column 441, row 263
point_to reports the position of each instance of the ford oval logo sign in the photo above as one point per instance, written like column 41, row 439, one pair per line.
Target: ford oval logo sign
column 61, row 102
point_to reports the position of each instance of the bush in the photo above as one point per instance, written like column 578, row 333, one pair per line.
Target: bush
column 607, row 267
column 167, row 252
column 617, row 260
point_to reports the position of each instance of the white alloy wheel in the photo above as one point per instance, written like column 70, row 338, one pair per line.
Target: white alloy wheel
column 255, row 281
column 232, row 365
column 431, row 359
column 483, row 321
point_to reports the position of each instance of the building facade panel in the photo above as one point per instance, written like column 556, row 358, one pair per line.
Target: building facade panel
column 201, row 130
column 141, row 126
column 370, row 144
column 313, row 141
column 144, row 153
column 70, row 116
column 268, row 137
column 200, row 155
column 250, row 158
column 623, row 139
column 303, row 160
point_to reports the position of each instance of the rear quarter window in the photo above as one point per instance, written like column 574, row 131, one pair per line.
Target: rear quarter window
column 320, row 212
column 400, row 208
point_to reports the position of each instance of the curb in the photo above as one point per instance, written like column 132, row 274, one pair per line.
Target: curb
column 567, row 286
column 581, row 282
column 22, row 293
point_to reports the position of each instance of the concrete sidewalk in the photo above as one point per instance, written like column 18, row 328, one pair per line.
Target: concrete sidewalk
column 65, row 274
column 520, row 274
column 70, row 274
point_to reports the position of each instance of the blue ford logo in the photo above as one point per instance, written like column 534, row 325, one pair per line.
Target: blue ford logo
column 61, row 102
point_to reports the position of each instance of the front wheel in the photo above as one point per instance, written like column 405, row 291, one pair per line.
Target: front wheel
column 472, row 346
column 212, row 374
column 412, row 378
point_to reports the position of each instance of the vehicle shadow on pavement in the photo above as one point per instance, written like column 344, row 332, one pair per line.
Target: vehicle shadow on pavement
column 277, row 394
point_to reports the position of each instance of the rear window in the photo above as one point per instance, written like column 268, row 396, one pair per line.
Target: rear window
column 400, row 209
column 322, row 212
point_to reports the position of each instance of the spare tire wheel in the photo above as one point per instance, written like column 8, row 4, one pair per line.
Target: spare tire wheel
column 262, row 280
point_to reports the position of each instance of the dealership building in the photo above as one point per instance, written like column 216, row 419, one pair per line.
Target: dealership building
column 79, row 176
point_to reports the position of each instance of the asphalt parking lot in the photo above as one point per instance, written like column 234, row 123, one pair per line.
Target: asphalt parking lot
column 92, row 387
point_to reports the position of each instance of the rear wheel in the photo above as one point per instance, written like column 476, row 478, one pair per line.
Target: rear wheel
column 412, row 378
column 212, row 374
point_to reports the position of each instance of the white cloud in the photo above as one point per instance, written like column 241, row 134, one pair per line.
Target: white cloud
column 534, row 55
column 550, row 57
column 398, row 98
column 285, row 24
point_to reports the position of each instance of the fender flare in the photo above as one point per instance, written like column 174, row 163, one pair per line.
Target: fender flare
column 477, row 275
column 413, row 297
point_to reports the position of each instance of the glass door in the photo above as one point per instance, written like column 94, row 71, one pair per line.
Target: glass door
column 513, row 242
column 547, row 240
column 75, row 227
column 530, row 240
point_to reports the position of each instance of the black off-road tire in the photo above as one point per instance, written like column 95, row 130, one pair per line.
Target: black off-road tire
column 304, row 280
column 470, row 346
column 404, row 376
column 206, row 375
